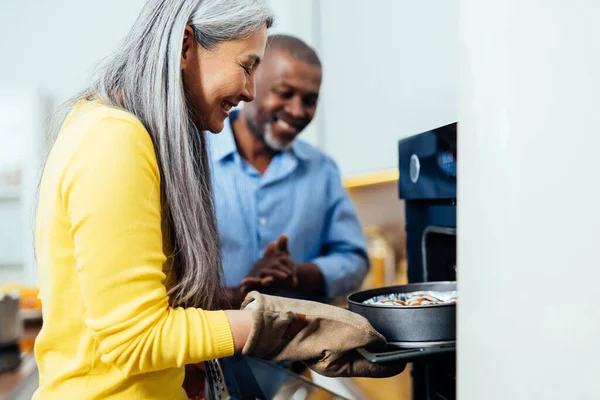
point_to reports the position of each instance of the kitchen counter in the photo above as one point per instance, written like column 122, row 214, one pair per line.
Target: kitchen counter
column 21, row 383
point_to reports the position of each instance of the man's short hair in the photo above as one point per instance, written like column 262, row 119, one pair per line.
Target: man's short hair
column 294, row 47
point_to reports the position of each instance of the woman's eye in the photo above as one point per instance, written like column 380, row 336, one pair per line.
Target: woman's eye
column 247, row 70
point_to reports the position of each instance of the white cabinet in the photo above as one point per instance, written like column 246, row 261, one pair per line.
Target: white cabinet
column 390, row 71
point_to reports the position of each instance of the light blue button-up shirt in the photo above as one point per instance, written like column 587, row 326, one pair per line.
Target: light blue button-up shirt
column 300, row 195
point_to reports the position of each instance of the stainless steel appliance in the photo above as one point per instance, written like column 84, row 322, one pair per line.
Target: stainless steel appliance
column 410, row 325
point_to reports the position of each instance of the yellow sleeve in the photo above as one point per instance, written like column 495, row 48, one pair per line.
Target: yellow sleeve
column 111, row 191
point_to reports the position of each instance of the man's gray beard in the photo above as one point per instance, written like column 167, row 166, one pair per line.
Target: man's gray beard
column 272, row 142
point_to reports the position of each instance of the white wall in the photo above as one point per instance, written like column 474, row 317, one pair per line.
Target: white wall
column 55, row 44
column 298, row 18
column 528, row 319
column 391, row 71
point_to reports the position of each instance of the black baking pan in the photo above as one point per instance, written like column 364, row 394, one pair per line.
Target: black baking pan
column 398, row 324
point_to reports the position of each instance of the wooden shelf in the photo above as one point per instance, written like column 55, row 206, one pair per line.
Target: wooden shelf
column 372, row 178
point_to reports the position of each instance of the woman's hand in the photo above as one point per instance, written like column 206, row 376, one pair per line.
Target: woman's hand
column 324, row 337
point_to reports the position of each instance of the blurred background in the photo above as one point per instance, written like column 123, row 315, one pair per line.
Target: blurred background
column 390, row 71
column 528, row 102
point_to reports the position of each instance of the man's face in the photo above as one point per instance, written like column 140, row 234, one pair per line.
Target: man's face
column 286, row 99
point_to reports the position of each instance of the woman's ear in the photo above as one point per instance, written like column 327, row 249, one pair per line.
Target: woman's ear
column 189, row 41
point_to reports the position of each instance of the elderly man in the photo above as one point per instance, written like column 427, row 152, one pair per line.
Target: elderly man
column 286, row 224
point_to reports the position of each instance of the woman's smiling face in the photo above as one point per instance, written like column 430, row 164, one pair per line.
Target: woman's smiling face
column 218, row 79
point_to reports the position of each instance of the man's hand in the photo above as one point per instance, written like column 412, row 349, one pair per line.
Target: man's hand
column 275, row 270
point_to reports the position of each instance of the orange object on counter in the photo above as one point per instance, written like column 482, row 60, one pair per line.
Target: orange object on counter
column 29, row 296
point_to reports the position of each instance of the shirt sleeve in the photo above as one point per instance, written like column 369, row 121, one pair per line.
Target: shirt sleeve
column 343, row 262
column 111, row 191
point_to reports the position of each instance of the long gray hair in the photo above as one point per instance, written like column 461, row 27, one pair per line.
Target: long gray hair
column 144, row 78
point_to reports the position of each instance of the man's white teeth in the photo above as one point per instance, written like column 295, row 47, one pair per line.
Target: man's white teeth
column 226, row 106
column 283, row 124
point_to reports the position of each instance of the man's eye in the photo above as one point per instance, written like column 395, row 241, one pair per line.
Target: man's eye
column 285, row 94
column 310, row 102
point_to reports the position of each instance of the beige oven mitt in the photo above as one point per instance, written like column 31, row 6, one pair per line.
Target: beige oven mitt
column 324, row 337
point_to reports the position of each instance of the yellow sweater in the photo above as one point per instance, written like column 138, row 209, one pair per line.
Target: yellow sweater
column 109, row 332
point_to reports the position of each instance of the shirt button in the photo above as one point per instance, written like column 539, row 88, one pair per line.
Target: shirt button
column 262, row 221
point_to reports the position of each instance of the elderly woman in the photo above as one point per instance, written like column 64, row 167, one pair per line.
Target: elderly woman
column 128, row 254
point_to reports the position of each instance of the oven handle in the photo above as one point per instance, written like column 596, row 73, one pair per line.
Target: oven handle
column 406, row 355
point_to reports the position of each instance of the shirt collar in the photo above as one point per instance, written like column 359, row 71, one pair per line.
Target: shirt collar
column 300, row 150
column 223, row 144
